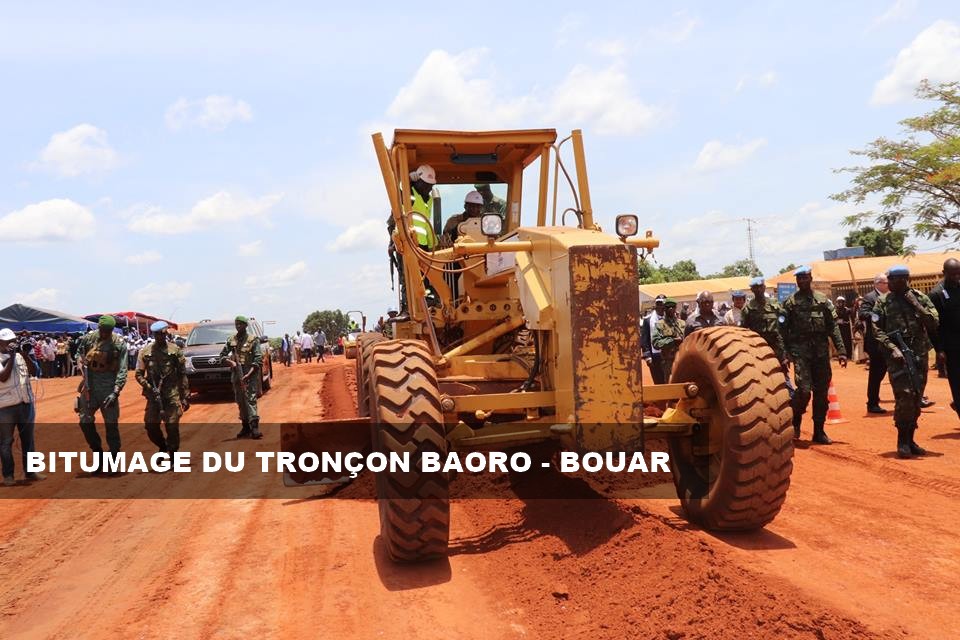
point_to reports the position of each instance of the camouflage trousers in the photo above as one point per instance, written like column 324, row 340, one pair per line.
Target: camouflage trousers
column 246, row 399
column 88, row 407
column 169, row 413
column 812, row 376
column 907, row 408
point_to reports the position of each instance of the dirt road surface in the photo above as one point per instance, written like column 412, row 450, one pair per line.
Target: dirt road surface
column 866, row 547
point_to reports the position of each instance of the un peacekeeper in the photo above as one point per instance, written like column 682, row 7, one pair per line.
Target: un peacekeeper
column 809, row 324
column 103, row 356
column 765, row 317
column 667, row 335
column 245, row 359
column 161, row 371
column 912, row 314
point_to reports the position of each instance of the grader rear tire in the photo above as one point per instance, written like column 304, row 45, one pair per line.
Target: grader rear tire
column 365, row 342
column 744, row 483
column 405, row 406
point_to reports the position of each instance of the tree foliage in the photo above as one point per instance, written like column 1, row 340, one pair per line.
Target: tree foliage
column 334, row 323
column 744, row 267
column 648, row 273
column 877, row 242
column 917, row 178
column 789, row 267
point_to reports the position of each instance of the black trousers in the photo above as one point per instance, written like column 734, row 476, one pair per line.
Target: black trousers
column 878, row 370
column 656, row 368
column 953, row 377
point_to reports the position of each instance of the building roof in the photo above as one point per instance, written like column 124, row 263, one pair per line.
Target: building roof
column 690, row 288
column 858, row 269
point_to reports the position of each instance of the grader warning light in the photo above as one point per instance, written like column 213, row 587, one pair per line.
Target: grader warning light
column 526, row 333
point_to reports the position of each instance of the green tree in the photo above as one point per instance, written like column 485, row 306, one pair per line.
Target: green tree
column 648, row 273
column 789, row 267
column 334, row 323
column 916, row 178
column 877, row 242
column 744, row 267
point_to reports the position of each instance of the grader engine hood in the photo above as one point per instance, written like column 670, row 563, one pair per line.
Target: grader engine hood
column 596, row 355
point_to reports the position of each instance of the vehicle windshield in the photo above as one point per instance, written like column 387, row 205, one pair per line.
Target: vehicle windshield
column 210, row 334
column 452, row 198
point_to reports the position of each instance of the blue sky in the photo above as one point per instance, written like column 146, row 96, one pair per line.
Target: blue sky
column 204, row 162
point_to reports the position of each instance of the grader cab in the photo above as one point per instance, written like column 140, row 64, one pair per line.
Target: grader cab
column 526, row 331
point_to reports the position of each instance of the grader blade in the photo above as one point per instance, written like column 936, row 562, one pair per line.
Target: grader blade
column 329, row 437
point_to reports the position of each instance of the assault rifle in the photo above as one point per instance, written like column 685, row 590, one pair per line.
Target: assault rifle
column 910, row 367
column 83, row 389
column 240, row 382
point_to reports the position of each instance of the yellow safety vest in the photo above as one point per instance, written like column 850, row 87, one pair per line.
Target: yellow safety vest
column 422, row 226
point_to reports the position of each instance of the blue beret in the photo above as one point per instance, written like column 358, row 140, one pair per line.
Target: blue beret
column 898, row 270
column 757, row 282
column 803, row 271
column 737, row 294
column 159, row 325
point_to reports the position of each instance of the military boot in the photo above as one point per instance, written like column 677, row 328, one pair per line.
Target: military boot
column 820, row 436
column 255, row 429
column 903, row 442
column 915, row 449
column 796, row 426
column 245, row 431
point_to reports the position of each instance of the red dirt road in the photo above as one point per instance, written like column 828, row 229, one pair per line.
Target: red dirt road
column 866, row 546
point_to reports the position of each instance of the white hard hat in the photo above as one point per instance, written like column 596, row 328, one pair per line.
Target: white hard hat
column 426, row 173
column 473, row 197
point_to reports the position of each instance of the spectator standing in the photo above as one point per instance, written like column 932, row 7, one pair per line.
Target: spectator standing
column 844, row 318
column 704, row 317
column 16, row 405
column 50, row 357
column 651, row 353
column 306, row 346
column 286, row 351
column 62, row 356
column 946, row 299
column 296, row 347
column 320, row 340
column 732, row 317
column 668, row 333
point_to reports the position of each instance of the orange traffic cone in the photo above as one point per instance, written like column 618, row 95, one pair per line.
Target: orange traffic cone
column 833, row 411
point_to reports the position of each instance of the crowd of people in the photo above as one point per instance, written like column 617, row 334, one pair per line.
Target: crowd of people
column 897, row 325
column 303, row 347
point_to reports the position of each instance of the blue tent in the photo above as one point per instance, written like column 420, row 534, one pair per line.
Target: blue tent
column 20, row 316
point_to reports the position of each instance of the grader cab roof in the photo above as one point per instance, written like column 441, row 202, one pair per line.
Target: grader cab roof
column 461, row 157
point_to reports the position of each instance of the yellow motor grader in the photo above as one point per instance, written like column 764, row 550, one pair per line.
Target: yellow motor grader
column 525, row 330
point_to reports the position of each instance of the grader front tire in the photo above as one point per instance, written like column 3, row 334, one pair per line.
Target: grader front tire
column 743, row 483
column 405, row 408
column 365, row 342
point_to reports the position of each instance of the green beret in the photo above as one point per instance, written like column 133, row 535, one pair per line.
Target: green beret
column 107, row 321
column 670, row 302
column 242, row 319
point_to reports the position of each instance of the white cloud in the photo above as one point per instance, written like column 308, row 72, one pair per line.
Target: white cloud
column 570, row 24
column 361, row 236
column 47, row 221
column 613, row 48
column 43, row 297
column 280, row 278
column 220, row 208
column 678, row 29
column 250, row 249
column 933, row 55
column 604, row 99
column 716, row 155
column 897, row 11
column 156, row 294
column 213, row 113
column 84, row 149
column 145, row 257
column 765, row 79
column 461, row 92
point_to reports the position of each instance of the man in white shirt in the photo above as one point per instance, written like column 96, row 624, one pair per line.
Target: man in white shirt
column 306, row 345
column 732, row 317
column 16, row 404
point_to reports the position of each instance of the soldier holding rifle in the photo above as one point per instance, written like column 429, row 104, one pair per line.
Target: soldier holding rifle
column 161, row 371
column 242, row 353
column 903, row 321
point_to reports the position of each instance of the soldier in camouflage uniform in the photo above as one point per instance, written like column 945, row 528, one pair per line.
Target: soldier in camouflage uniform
column 809, row 324
column 765, row 317
column 161, row 370
column 912, row 314
column 667, row 335
column 491, row 203
column 242, row 353
column 103, row 356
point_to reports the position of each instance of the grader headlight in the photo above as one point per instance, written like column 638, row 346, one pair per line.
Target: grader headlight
column 491, row 225
column 627, row 225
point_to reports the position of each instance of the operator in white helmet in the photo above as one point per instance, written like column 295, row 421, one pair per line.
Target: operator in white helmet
column 472, row 208
column 421, row 186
